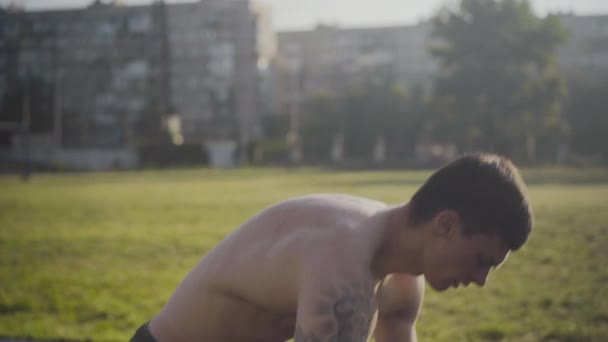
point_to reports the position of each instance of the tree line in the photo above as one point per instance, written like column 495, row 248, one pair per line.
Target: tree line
column 497, row 89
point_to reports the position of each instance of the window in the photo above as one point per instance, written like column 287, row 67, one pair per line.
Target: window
column 141, row 23
column 194, row 82
column 221, row 62
column 11, row 30
column 105, row 29
column 40, row 26
column 137, row 69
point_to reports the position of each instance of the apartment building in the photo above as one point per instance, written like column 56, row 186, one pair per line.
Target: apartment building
column 330, row 59
column 117, row 73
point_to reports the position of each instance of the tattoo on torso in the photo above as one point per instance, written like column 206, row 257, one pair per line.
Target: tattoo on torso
column 351, row 309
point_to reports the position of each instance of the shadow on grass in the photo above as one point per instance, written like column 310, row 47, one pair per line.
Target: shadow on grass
column 13, row 309
column 560, row 336
column 491, row 334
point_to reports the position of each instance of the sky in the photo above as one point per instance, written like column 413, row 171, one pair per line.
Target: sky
column 305, row 14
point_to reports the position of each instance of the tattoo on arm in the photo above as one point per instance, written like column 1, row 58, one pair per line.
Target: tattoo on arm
column 348, row 313
column 354, row 314
column 301, row 336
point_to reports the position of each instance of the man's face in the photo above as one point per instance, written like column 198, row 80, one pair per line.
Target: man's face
column 454, row 259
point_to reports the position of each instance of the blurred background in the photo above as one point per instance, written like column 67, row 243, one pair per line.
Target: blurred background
column 128, row 85
column 155, row 128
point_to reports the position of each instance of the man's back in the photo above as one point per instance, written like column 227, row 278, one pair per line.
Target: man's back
column 246, row 288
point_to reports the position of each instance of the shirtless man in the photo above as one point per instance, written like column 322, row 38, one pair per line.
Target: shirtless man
column 342, row 268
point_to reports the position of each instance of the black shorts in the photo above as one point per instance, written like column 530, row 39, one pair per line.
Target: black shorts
column 143, row 334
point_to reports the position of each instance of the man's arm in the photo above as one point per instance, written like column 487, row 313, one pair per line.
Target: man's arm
column 399, row 299
column 395, row 327
column 315, row 320
column 334, row 310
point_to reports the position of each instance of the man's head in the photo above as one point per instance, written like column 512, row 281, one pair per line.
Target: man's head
column 476, row 210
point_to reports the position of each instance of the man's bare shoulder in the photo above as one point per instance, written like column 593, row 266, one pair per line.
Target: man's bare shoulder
column 328, row 204
column 343, row 199
column 305, row 214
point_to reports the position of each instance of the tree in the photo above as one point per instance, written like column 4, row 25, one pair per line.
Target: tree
column 498, row 87
column 322, row 121
column 362, row 116
column 382, row 112
column 588, row 118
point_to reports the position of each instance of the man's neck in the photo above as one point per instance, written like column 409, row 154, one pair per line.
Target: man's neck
column 400, row 246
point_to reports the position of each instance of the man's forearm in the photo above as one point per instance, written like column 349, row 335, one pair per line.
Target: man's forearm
column 394, row 328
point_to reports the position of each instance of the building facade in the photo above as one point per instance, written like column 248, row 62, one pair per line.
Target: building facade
column 585, row 52
column 116, row 73
column 214, row 57
column 332, row 59
column 103, row 66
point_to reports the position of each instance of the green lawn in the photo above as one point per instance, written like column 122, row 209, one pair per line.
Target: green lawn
column 91, row 256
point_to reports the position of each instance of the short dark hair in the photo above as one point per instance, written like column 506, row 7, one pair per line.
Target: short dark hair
column 488, row 193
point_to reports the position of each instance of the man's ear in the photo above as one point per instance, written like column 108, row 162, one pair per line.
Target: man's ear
column 446, row 223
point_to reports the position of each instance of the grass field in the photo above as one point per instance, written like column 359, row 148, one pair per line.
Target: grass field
column 91, row 256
